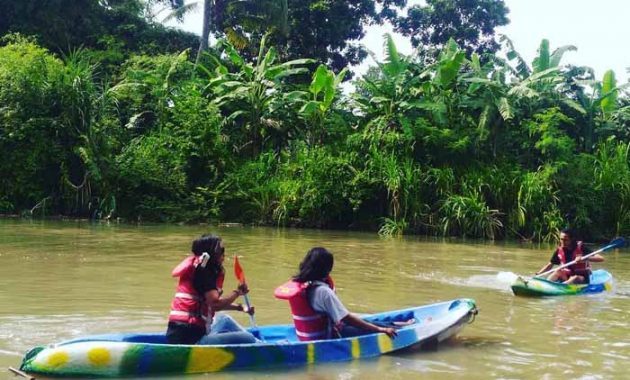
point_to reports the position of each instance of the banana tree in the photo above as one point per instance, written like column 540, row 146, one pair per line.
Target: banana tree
column 487, row 93
column 537, row 88
column 393, row 92
column 386, row 88
column 320, row 97
column 440, row 87
column 248, row 96
column 600, row 106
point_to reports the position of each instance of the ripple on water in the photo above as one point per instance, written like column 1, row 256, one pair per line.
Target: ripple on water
column 425, row 366
column 485, row 281
column 22, row 332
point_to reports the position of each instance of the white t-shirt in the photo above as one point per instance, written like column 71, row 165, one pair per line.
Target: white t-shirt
column 324, row 300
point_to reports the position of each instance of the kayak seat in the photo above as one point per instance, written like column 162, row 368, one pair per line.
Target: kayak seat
column 394, row 320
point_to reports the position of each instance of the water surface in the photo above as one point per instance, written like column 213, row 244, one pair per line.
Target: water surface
column 61, row 280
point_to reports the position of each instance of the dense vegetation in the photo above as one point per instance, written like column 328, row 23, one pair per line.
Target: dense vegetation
column 455, row 145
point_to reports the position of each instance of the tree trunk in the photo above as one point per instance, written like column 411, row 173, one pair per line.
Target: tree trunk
column 205, row 31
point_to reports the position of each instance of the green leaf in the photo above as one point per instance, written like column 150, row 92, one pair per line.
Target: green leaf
column 609, row 93
column 321, row 79
column 505, row 109
column 556, row 57
column 295, row 95
column 310, row 108
column 541, row 62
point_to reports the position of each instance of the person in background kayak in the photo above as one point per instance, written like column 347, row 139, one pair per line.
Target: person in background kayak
column 192, row 319
column 317, row 311
column 569, row 250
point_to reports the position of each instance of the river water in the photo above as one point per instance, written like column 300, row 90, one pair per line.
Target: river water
column 61, row 280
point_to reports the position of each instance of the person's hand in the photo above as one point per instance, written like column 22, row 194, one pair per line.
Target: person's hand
column 249, row 310
column 390, row 331
column 579, row 259
column 243, row 289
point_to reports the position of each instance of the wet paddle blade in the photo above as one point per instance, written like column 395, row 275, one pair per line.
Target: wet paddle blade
column 238, row 271
column 617, row 243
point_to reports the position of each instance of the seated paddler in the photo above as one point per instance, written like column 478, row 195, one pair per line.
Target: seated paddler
column 570, row 249
column 193, row 318
column 317, row 311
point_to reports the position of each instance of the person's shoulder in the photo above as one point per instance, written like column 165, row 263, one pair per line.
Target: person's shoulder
column 322, row 288
column 320, row 285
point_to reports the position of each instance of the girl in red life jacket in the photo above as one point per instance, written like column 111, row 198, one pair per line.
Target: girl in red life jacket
column 317, row 311
column 192, row 318
column 569, row 250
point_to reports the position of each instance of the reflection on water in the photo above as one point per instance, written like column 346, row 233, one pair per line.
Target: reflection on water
column 61, row 280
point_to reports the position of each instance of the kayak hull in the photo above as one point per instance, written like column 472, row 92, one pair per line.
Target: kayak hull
column 118, row 355
column 600, row 281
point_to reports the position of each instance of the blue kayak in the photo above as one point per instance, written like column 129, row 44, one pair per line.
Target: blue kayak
column 124, row 355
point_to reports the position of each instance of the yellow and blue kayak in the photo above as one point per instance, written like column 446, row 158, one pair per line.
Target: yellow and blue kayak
column 600, row 281
column 125, row 355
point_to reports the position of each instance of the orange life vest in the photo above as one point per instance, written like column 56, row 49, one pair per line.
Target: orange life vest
column 309, row 325
column 583, row 267
column 188, row 306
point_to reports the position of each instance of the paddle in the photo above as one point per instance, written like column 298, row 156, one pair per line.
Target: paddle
column 240, row 276
column 616, row 243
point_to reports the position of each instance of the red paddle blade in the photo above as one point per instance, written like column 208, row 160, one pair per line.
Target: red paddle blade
column 238, row 271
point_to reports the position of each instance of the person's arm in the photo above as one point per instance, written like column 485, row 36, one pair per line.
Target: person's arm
column 554, row 260
column 544, row 268
column 216, row 302
column 597, row 258
column 326, row 301
column 355, row 321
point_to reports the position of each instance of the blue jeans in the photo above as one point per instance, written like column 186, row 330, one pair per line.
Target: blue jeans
column 225, row 330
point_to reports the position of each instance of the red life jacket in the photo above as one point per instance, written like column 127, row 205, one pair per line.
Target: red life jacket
column 578, row 268
column 309, row 325
column 188, row 306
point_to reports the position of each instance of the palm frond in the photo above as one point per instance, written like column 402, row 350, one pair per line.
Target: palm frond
column 179, row 13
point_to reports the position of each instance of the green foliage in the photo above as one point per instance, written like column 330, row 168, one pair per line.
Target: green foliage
column 307, row 187
column 536, row 212
column 316, row 188
column 113, row 28
column 252, row 190
column 392, row 227
column 53, row 127
column 249, row 96
column 326, row 31
column 612, row 179
column 318, row 101
column 461, row 146
column 550, row 141
column 609, row 92
column 469, row 216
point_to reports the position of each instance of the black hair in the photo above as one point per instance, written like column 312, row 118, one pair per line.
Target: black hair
column 316, row 265
column 206, row 243
column 569, row 231
column 212, row 245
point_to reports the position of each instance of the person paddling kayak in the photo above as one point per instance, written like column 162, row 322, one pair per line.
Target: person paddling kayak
column 199, row 296
column 569, row 250
column 317, row 311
